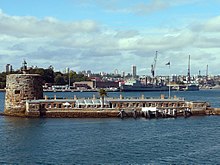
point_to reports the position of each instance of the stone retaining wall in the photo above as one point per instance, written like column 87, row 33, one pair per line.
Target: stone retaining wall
column 216, row 111
column 198, row 112
column 82, row 114
column 19, row 88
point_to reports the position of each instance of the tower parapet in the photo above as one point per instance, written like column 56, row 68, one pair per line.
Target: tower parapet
column 19, row 88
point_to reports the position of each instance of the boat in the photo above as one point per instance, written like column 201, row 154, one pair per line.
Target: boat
column 136, row 85
column 189, row 87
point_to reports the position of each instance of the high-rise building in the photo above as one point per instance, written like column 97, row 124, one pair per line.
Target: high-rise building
column 67, row 69
column 134, row 71
column 8, row 68
column 123, row 74
column 116, row 72
column 89, row 73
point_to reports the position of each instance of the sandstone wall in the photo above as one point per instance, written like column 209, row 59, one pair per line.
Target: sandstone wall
column 21, row 87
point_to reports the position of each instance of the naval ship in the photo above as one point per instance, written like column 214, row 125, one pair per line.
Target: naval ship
column 136, row 85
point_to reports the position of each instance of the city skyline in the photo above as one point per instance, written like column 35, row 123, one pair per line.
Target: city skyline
column 104, row 35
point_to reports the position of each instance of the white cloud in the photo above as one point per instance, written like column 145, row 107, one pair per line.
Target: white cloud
column 136, row 7
column 212, row 25
column 86, row 45
column 33, row 27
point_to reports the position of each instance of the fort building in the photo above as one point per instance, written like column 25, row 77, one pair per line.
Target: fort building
column 19, row 89
column 24, row 97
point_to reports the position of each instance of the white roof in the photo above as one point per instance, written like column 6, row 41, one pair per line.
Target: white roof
column 91, row 102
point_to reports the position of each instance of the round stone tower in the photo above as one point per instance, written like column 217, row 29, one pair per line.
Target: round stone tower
column 19, row 88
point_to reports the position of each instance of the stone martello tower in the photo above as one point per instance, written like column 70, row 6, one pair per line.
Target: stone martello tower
column 19, row 88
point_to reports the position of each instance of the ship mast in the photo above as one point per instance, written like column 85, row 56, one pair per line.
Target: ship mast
column 189, row 78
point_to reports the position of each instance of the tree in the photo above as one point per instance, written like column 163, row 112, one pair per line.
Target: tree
column 47, row 74
column 2, row 80
column 59, row 80
column 102, row 94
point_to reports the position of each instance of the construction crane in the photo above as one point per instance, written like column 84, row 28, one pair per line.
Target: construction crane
column 188, row 74
column 153, row 66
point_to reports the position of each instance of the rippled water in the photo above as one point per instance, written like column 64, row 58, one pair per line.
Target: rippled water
column 194, row 140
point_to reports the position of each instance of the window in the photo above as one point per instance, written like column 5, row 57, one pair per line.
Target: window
column 17, row 91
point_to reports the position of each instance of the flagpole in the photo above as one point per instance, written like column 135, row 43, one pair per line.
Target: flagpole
column 169, row 78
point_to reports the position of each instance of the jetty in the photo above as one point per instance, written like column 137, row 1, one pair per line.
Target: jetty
column 24, row 97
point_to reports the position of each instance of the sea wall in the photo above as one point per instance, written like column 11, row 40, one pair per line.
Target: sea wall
column 213, row 111
column 198, row 112
column 83, row 114
column 217, row 111
column 106, row 114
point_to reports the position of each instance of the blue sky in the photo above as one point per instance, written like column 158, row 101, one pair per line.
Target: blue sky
column 102, row 36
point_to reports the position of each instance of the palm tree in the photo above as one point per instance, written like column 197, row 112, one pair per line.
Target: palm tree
column 102, row 93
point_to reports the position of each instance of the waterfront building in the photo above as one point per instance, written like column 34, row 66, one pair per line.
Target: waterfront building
column 95, row 84
column 84, row 85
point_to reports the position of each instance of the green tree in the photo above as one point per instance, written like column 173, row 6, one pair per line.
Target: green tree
column 59, row 79
column 47, row 74
column 2, row 80
column 102, row 94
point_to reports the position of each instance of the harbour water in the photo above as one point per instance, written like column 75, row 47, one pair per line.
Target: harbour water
column 193, row 140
